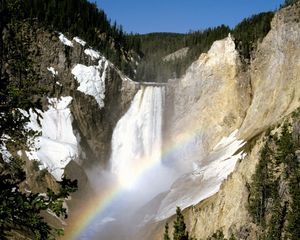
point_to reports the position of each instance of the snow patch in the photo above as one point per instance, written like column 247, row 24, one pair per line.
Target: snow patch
column 91, row 80
column 92, row 53
column 57, row 145
column 64, row 40
column 6, row 155
column 206, row 180
column 58, row 83
column 80, row 41
column 53, row 71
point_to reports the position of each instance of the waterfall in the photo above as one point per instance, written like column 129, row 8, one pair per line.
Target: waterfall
column 137, row 137
column 135, row 163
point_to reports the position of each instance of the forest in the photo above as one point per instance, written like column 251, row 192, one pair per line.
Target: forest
column 84, row 19
column 156, row 46
column 76, row 18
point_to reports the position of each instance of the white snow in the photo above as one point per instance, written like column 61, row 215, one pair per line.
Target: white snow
column 91, row 80
column 6, row 155
column 225, row 141
column 80, row 41
column 57, row 145
column 92, row 53
column 58, row 83
column 53, row 71
column 206, row 180
column 64, row 40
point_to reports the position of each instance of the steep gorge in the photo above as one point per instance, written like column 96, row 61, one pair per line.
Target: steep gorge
column 214, row 120
column 266, row 94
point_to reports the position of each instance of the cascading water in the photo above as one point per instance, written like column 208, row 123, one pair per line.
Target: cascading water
column 136, row 140
column 135, row 163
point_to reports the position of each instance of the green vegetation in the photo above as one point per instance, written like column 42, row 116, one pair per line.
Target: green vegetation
column 156, row 46
column 84, row 19
column 251, row 31
column 179, row 228
column 288, row 2
column 274, row 202
column 166, row 233
column 180, row 232
column 76, row 18
column 219, row 235
column 20, row 212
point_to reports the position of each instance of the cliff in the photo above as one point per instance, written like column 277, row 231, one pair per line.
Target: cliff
column 75, row 129
column 215, row 97
column 215, row 120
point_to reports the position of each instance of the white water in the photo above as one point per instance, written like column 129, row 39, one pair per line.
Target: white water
column 137, row 138
column 135, row 163
column 149, row 191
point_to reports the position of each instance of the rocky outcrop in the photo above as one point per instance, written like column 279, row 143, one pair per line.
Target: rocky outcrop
column 209, row 102
column 179, row 54
column 54, row 56
column 216, row 97
column 93, row 125
column 275, row 74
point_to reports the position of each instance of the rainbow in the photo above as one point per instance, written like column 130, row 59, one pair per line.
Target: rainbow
column 94, row 207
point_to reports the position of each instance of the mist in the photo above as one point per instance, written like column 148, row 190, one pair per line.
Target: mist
column 136, row 173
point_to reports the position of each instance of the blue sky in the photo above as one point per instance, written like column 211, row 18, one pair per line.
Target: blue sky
column 144, row 16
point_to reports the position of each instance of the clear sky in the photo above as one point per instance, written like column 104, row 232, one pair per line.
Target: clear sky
column 144, row 16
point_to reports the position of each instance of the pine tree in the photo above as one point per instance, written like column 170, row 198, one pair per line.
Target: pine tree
column 179, row 232
column 287, row 155
column 166, row 234
column 261, row 187
column 20, row 89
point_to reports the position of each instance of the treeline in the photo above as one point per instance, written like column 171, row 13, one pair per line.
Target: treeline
column 179, row 228
column 180, row 232
column 78, row 18
column 250, row 31
column 274, row 202
column 274, row 193
column 20, row 88
column 156, row 46
column 84, row 19
column 288, row 2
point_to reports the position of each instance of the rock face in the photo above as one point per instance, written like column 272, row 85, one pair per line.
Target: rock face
column 209, row 102
column 275, row 73
column 209, row 113
column 214, row 98
column 181, row 53
column 54, row 56
column 93, row 125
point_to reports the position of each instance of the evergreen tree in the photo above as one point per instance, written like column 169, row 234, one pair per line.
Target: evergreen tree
column 166, row 234
column 232, row 237
column 179, row 226
column 288, row 2
column 20, row 89
column 287, row 155
column 260, row 187
column 277, row 215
